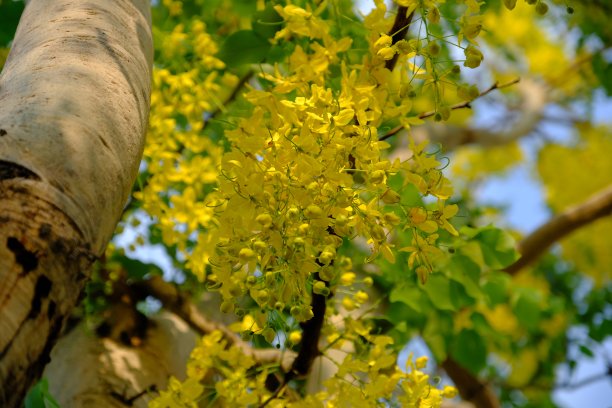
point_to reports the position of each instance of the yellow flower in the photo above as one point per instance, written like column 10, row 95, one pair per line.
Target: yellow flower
column 421, row 362
column 387, row 52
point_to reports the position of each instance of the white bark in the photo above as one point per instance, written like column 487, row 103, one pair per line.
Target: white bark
column 86, row 371
column 74, row 97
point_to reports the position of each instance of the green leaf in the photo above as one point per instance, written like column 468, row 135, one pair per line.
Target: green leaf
column 473, row 251
column 469, row 350
column 480, row 323
column 266, row 22
column 496, row 288
column 586, row 351
column 244, row 8
column 498, row 247
column 465, row 271
column 409, row 295
column 35, row 399
column 399, row 313
column 244, row 47
column 603, row 71
column 526, row 307
column 10, row 13
column 435, row 341
column 600, row 331
column 459, row 296
column 438, row 288
column 39, row 396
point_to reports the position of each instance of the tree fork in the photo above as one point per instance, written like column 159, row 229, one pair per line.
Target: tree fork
column 74, row 98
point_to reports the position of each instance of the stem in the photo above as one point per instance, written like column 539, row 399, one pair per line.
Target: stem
column 221, row 108
column 460, row 105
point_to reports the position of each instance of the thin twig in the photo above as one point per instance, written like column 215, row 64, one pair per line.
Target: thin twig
column 220, row 108
column 460, row 105
column 585, row 381
column 274, row 395
column 531, row 248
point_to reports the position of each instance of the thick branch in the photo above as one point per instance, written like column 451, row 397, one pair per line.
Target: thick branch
column 532, row 247
column 470, row 387
column 87, row 371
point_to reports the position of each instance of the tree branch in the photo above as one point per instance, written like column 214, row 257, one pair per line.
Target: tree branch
column 585, row 381
column 398, row 32
column 470, row 387
column 179, row 304
column 311, row 333
column 233, row 95
column 460, row 105
column 531, row 248
column 468, row 104
column 597, row 206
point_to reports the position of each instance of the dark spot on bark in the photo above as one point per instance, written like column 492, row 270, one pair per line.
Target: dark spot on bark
column 2, row 132
column 103, row 330
column 20, row 189
column 51, row 309
column 41, row 291
column 23, row 257
column 125, row 338
column 57, row 246
column 45, row 356
column 9, row 170
column 44, row 231
column 104, row 142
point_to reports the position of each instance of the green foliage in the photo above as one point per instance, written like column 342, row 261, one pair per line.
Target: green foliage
column 603, row 69
column 244, row 47
column 39, row 397
column 10, row 11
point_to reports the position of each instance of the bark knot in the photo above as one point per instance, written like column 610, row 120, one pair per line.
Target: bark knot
column 23, row 257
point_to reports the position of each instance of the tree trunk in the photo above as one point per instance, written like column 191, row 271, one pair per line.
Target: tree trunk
column 87, row 371
column 74, row 97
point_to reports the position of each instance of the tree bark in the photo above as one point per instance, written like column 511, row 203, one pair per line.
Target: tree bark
column 597, row 206
column 74, row 97
column 87, row 371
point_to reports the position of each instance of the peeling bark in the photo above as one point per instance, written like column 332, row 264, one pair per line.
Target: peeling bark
column 74, row 97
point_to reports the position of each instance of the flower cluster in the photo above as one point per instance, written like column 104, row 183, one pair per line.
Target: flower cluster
column 216, row 372
column 261, row 197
